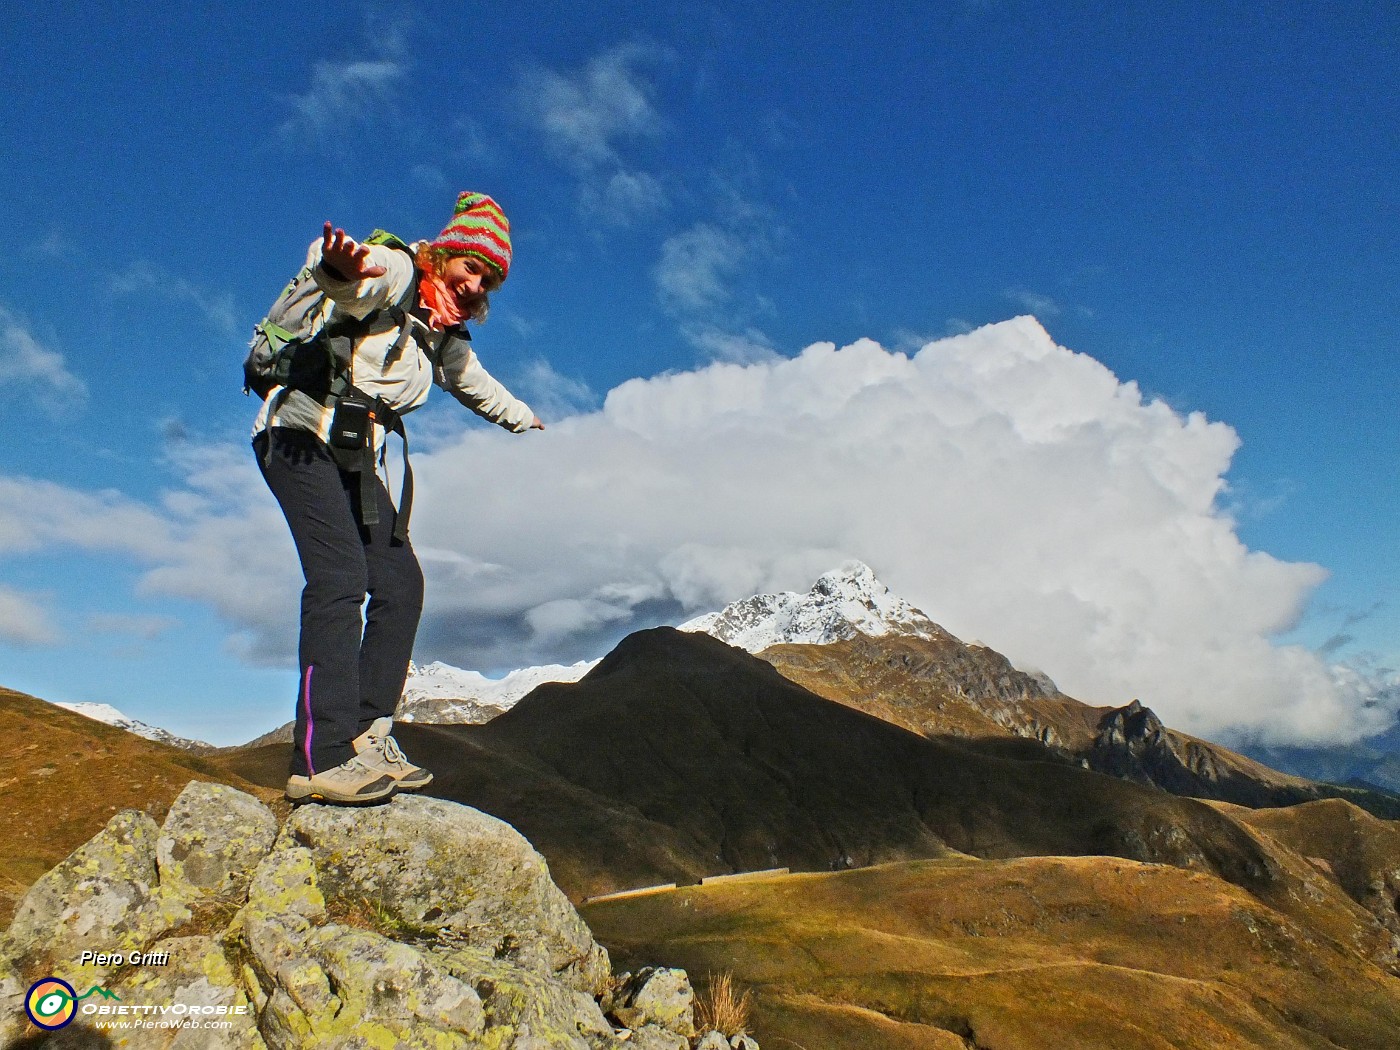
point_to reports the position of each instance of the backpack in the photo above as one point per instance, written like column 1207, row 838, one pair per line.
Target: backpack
column 296, row 347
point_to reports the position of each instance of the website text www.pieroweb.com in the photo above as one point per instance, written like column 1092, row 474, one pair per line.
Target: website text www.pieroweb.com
column 53, row 1003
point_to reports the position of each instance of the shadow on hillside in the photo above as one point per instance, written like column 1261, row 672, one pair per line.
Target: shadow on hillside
column 1167, row 775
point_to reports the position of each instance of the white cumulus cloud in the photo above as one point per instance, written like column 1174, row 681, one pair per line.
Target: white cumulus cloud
column 1019, row 493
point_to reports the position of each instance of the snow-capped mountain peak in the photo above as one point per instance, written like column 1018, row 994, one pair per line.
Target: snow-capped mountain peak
column 844, row 602
column 439, row 692
column 112, row 717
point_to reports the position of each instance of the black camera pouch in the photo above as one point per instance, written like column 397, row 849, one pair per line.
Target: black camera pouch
column 351, row 422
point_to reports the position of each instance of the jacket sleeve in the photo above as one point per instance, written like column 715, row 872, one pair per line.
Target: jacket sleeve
column 461, row 374
column 359, row 298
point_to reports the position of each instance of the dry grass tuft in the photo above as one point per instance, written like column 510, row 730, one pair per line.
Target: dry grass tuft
column 721, row 1009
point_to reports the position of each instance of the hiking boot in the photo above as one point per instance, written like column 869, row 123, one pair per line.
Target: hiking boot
column 349, row 783
column 377, row 748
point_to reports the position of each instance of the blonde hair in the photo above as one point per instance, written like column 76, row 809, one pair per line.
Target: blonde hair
column 433, row 260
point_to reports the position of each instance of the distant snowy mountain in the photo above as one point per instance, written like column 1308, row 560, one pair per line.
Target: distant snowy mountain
column 441, row 693
column 843, row 603
column 110, row 715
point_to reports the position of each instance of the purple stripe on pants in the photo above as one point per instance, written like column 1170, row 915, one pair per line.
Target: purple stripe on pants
column 310, row 723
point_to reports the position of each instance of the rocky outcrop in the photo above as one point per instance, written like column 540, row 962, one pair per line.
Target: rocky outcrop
column 1132, row 743
column 418, row 923
column 659, row 997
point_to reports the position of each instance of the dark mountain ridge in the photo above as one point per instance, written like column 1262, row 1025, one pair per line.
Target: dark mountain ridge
column 679, row 757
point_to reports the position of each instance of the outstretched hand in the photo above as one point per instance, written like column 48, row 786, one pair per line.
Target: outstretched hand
column 346, row 256
column 536, row 424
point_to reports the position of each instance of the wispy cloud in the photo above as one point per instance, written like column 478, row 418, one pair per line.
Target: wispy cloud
column 554, row 396
column 627, row 197
column 145, row 279
column 1033, row 302
column 32, row 371
column 586, row 116
column 343, row 98
column 1334, row 644
column 696, row 281
column 144, row 627
column 1357, row 616
column 696, row 269
column 719, row 344
column 24, row 621
column 584, row 113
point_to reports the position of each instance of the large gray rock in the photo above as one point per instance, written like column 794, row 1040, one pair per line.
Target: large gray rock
column 284, row 907
column 436, row 868
column 105, row 897
column 285, row 883
column 212, row 839
column 417, row 924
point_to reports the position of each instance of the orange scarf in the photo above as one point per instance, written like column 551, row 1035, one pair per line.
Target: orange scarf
column 444, row 311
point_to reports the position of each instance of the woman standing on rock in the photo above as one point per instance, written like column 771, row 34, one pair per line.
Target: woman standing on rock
column 400, row 313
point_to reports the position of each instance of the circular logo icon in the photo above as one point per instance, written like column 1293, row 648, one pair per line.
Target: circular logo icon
column 51, row 1003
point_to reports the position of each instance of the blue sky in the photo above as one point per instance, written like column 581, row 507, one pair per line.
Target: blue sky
column 1199, row 197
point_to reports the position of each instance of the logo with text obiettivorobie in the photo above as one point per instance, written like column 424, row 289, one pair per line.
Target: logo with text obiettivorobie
column 52, row 1003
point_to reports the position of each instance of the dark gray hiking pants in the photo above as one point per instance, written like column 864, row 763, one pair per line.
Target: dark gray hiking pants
column 354, row 657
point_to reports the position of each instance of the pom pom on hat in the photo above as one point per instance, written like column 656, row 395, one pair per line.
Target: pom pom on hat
column 478, row 228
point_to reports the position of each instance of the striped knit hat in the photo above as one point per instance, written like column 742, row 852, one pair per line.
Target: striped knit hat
column 478, row 228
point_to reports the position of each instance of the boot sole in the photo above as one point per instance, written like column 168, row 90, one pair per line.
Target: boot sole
column 300, row 794
column 302, row 800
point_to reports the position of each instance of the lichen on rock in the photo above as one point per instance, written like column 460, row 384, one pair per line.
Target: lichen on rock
column 106, row 895
column 658, row 996
column 418, row 925
column 211, row 840
column 432, row 865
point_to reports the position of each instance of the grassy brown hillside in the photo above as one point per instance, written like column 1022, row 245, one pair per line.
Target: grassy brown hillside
column 943, row 688
column 939, row 687
column 1085, row 953
column 62, row 776
column 680, row 757
column 1354, row 850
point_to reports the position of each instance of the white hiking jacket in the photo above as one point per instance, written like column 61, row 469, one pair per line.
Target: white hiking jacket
column 402, row 381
